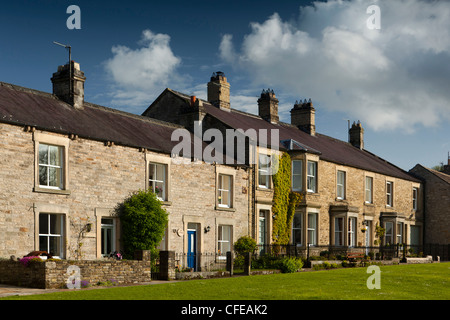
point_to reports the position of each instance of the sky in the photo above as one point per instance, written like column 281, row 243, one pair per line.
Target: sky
column 387, row 67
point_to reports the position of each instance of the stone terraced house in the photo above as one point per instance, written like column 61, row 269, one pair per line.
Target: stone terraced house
column 347, row 190
column 437, row 204
column 65, row 164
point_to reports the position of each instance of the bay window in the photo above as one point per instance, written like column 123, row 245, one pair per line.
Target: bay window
column 312, row 228
column 297, row 232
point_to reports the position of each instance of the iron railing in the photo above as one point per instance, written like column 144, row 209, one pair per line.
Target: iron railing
column 214, row 261
column 200, row 261
column 340, row 252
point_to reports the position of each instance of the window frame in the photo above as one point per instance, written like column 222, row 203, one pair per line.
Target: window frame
column 48, row 166
column 263, row 222
column 340, row 232
column 389, row 235
column 352, row 222
column 341, row 186
column 221, row 190
column 389, row 193
column 152, row 183
column 415, row 198
column 311, row 178
column 368, row 190
column 266, row 169
column 61, row 236
column 111, row 227
column 296, row 230
column 222, row 170
column 63, row 144
column 312, row 231
column 399, row 234
column 298, row 175
column 222, row 255
column 151, row 158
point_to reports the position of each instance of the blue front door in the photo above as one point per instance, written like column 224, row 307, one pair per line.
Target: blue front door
column 192, row 249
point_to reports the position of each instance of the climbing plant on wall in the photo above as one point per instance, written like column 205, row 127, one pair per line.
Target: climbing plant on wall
column 284, row 201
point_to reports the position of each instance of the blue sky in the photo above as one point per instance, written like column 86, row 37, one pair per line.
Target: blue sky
column 395, row 80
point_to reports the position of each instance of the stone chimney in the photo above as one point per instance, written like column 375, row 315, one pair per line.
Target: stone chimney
column 446, row 167
column 194, row 112
column 68, row 84
column 219, row 91
column 303, row 115
column 356, row 135
column 268, row 106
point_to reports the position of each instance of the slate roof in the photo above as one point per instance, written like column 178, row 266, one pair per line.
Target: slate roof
column 440, row 175
column 27, row 107
column 330, row 149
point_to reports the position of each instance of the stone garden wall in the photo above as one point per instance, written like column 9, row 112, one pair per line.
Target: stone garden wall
column 55, row 274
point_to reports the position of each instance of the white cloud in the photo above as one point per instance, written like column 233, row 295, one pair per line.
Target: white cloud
column 395, row 77
column 140, row 74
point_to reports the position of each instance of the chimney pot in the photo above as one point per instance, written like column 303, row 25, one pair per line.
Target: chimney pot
column 193, row 98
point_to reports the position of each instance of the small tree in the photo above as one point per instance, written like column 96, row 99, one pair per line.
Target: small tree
column 245, row 244
column 143, row 222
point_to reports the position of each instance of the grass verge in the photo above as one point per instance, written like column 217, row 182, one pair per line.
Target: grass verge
column 399, row 282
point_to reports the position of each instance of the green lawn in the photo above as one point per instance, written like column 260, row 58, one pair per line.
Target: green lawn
column 401, row 282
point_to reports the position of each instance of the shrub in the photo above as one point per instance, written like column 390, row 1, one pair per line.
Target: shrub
column 266, row 261
column 143, row 223
column 25, row 261
column 290, row 265
column 245, row 244
column 239, row 261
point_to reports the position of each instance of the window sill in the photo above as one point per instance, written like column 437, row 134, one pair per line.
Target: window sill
column 53, row 191
column 165, row 202
column 225, row 209
column 261, row 188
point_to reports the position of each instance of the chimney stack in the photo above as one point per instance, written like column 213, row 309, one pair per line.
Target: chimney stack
column 356, row 135
column 268, row 106
column 68, row 84
column 303, row 115
column 446, row 167
column 219, row 91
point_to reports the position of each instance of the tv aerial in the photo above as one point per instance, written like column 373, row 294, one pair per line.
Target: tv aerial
column 70, row 62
